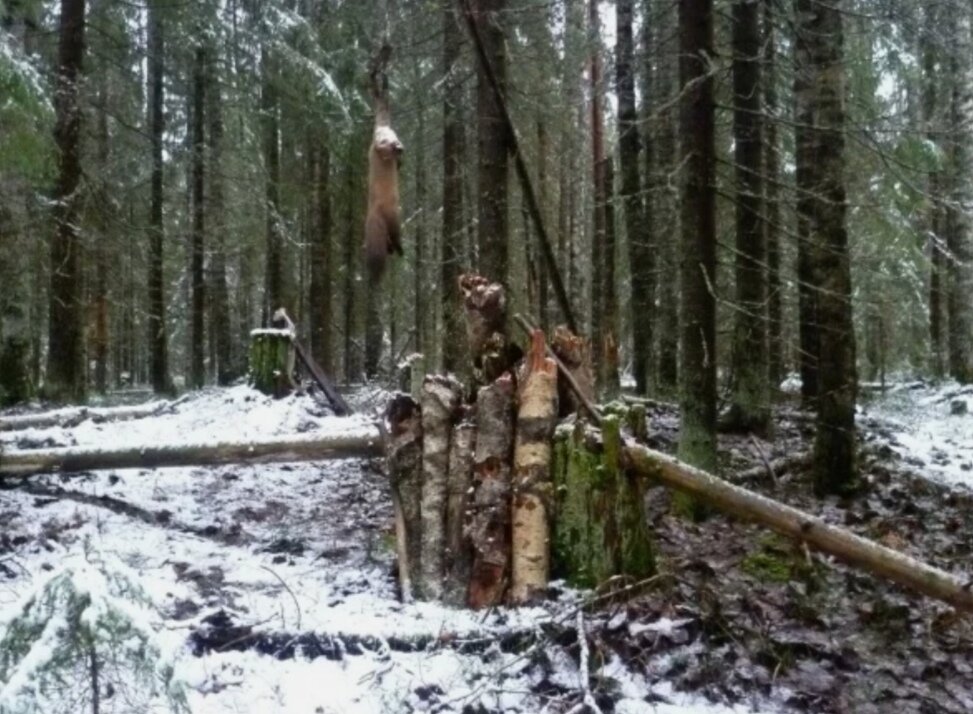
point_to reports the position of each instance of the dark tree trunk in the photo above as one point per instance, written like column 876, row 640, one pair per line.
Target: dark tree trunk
column 100, row 341
column 806, row 179
column 820, row 57
column 603, row 305
column 454, row 258
column 934, row 219
column 697, row 436
column 775, row 339
column 156, row 319
column 319, row 298
column 659, row 162
column 419, row 277
column 750, row 405
column 269, row 107
column 219, row 302
column 959, row 234
column 641, row 249
column 493, row 145
column 198, row 361
column 65, row 358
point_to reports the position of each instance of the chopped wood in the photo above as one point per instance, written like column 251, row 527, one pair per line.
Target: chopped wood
column 404, row 445
column 439, row 399
column 813, row 531
column 532, row 485
column 490, row 513
column 485, row 305
column 366, row 443
column 459, row 487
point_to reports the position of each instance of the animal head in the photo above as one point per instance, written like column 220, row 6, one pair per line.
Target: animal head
column 387, row 144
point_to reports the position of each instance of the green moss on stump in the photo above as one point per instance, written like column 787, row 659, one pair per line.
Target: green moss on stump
column 271, row 362
column 599, row 527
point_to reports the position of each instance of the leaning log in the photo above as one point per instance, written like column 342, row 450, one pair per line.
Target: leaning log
column 490, row 512
column 842, row 544
column 440, row 399
column 532, row 489
column 365, row 442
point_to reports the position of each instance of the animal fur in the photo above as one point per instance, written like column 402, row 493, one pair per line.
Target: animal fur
column 382, row 227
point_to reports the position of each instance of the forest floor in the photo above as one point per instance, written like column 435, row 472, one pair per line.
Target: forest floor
column 274, row 584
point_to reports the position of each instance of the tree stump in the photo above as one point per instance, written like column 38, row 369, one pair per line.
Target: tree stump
column 599, row 528
column 459, row 487
column 404, row 420
column 272, row 361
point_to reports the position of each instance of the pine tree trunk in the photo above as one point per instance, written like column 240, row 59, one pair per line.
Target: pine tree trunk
column 353, row 230
column 270, row 110
column 101, row 341
column 750, row 401
column 453, row 254
column 321, row 282
column 806, row 181
column 959, row 222
column 772, row 210
column 697, row 436
column 220, row 323
column 198, row 361
column 820, row 36
column 156, row 319
column 638, row 221
column 660, row 163
column 65, row 359
column 493, row 145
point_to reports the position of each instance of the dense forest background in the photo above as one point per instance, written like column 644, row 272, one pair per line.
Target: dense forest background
column 732, row 191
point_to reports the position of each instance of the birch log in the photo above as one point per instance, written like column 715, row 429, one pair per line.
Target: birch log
column 844, row 545
column 532, row 489
column 440, row 399
column 490, row 517
column 405, row 472
column 459, row 552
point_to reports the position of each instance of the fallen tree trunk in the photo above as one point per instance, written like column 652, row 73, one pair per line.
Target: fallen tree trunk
column 73, row 417
column 364, row 443
column 844, row 545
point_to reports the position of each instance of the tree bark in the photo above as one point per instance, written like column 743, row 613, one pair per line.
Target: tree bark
column 65, row 358
column 220, row 323
column 820, row 30
column 439, row 399
column 750, row 401
column 697, row 435
column 156, row 318
column 198, row 361
column 405, row 472
column 270, row 111
column 322, row 274
column 363, row 444
column 532, row 486
column 772, row 209
column 453, row 257
column 490, row 511
column 493, row 142
column 638, row 218
column 959, row 223
column 803, row 527
column 573, row 353
column 459, row 550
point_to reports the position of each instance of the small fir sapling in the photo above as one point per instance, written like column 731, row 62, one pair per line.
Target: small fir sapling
column 84, row 641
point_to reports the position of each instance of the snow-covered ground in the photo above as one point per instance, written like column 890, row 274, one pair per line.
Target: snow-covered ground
column 289, row 549
column 931, row 427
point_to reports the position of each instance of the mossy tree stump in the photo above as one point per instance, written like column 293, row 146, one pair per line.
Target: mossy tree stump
column 272, row 361
column 599, row 529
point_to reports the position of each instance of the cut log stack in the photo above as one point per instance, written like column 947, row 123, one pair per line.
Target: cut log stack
column 483, row 521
